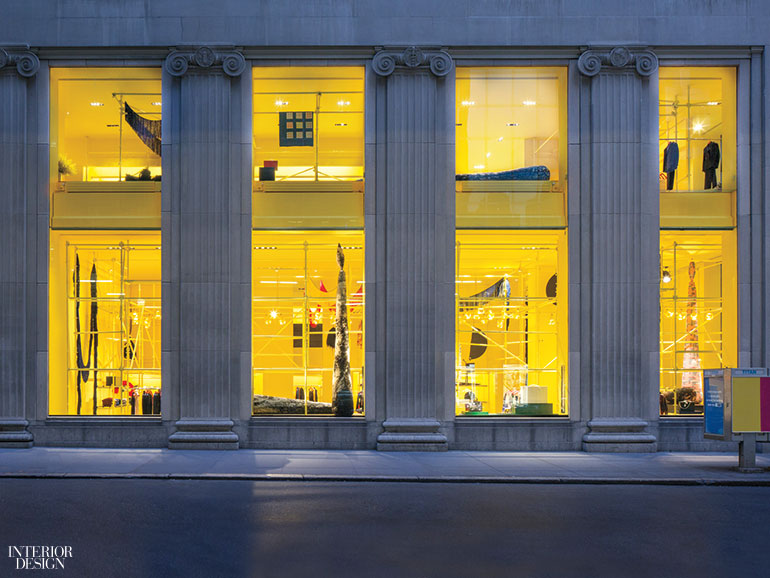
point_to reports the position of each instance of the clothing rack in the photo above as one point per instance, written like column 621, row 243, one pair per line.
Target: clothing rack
column 688, row 105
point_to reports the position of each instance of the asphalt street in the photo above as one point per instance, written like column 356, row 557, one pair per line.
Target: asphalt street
column 212, row 528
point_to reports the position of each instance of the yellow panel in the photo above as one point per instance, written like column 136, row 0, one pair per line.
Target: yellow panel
column 510, row 210
column 106, row 210
column 746, row 405
column 308, row 211
column 697, row 210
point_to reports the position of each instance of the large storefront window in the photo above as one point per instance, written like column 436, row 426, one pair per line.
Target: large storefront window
column 698, row 314
column 511, row 270
column 698, row 291
column 308, row 241
column 105, row 278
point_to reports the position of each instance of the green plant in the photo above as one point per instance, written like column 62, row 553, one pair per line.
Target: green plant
column 66, row 166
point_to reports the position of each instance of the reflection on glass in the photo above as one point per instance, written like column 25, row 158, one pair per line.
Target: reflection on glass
column 105, row 124
column 293, row 319
column 105, row 325
column 698, row 315
column 511, row 323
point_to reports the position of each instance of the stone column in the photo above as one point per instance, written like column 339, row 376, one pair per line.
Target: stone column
column 23, row 160
column 410, row 295
column 206, row 212
column 619, row 275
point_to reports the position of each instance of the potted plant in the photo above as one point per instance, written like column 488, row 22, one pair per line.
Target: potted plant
column 66, row 167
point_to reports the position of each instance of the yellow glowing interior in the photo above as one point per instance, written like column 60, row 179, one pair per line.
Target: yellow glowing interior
column 698, row 106
column 294, row 276
column 510, row 118
column 511, row 345
column 88, row 127
column 128, row 320
column 698, row 325
column 334, row 97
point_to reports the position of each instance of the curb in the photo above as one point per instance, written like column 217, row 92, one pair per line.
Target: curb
column 765, row 482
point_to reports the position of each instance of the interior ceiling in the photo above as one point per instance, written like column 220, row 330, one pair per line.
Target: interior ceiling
column 79, row 118
column 296, row 89
column 488, row 100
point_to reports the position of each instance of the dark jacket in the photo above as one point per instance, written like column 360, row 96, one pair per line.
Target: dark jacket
column 711, row 156
column 671, row 157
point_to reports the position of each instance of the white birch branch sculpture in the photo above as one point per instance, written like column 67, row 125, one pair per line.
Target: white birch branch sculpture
column 342, row 393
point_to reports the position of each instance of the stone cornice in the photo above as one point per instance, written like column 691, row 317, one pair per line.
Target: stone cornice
column 26, row 61
column 386, row 60
column 180, row 59
column 592, row 61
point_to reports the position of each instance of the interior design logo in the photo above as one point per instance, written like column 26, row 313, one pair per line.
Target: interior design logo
column 39, row 557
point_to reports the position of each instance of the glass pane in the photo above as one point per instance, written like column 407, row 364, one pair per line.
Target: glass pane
column 105, row 324
column 511, row 147
column 294, row 301
column 105, row 124
column 511, row 323
column 698, row 315
column 697, row 146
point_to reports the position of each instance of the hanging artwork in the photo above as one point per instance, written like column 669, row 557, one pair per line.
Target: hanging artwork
column 295, row 129
column 342, row 393
column 146, row 129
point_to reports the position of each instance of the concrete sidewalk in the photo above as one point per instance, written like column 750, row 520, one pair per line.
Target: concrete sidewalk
column 325, row 465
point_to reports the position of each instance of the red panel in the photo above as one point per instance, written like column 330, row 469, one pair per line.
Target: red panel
column 764, row 402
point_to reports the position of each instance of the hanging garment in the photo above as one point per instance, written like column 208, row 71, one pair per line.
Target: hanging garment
column 299, row 393
column 94, row 337
column 360, row 402
column 78, row 343
column 670, row 163
column 146, row 403
column 711, row 158
column 156, row 403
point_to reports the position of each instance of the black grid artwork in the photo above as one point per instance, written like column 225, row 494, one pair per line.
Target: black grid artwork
column 295, row 129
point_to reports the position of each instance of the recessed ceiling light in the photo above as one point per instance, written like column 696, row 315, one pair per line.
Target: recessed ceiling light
column 478, row 166
column 340, row 124
column 280, row 102
column 529, row 103
column 468, row 102
column 97, row 103
column 156, row 103
column 512, row 124
column 489, row 155
column 500, row 139
column 697, row 127
column 712, row 103
column 343, row 103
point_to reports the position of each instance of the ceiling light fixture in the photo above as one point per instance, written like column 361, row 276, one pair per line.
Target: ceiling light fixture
column 343, row 103
column 468, row 102
column 665, row 276
column 500, row 139
column 529, row 103
column 340, row 124
column 156, row 103
column 697, row 127
column 512, row 124
column 95, row 103
column 712, row 103
column 478, row 166
column 280, row 102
